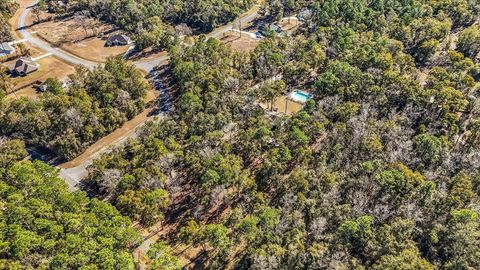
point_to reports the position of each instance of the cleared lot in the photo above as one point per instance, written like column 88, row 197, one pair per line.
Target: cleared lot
column 93, row 49
column 284, row 105
column 70, row 35
column 243, row 43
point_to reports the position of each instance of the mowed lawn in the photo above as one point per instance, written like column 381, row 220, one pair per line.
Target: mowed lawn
column 50, row 67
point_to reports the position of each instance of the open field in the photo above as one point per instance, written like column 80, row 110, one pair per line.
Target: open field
column 243, row 44
column 59, row 31
column 28, row 92
column 69, row 35
column 93, row 49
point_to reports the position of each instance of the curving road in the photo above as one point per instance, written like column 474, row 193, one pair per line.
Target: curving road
column 37, row 42
column 146, row 65
column 73, row 175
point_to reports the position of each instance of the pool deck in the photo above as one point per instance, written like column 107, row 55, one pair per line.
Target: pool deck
column 299, row 96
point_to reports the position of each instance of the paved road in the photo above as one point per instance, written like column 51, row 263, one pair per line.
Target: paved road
column 146, row 65
column 37, row 42
column 245, row 18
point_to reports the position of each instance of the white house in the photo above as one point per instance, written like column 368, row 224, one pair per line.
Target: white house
column 6, row 49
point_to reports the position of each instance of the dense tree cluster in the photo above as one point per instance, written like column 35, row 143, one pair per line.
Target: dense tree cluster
column 283, row 8
column 7, row 8
column 469, row 41
column 44, row 226
column 379, row 170
column 68, row 118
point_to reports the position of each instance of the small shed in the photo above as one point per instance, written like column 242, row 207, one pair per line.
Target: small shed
column 118, row 40
column 24, row 66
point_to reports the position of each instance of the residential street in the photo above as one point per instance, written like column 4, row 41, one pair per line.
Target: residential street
column 146, row 65
column 37, row 42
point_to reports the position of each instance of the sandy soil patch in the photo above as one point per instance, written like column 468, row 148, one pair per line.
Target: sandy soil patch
column 289, row 24
column 242, row 44
column 284, row 105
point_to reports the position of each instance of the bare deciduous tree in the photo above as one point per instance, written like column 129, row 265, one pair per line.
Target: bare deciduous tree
column 37, row 13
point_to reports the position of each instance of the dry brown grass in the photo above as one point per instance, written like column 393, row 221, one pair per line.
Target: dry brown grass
column 242, row 44
column 67, row 30
column 71, row 37
column 284, row 105
column 93, row 49
column 50, row 67
column 28, row 92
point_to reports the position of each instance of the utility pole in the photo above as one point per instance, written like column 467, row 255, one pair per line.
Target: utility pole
column 240, row 26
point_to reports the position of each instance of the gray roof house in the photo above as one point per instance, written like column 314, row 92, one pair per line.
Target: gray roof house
column 6, row 49
column 118, row 40
column 24, row 66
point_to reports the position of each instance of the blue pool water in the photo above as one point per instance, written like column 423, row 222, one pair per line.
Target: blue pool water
column 301, row 96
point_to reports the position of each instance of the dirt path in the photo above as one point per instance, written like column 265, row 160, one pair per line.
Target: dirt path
column 75, row 170
column 114, row 138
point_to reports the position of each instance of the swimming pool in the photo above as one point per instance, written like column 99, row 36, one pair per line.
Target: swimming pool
column 300, row 96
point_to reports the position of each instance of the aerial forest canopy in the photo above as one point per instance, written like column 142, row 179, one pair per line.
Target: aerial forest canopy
column 202, row 14
column 379, row 171
column 69, row 117
column 45, row 226
column 7, row 8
